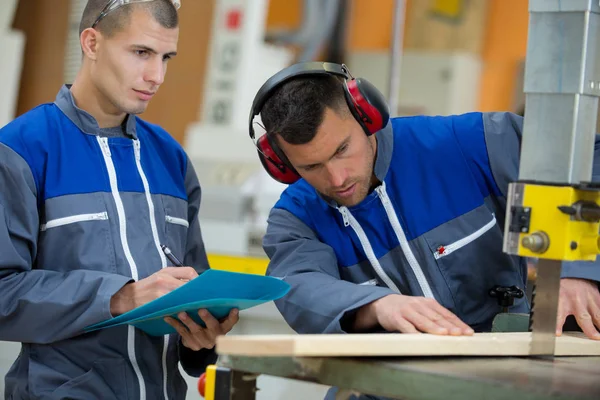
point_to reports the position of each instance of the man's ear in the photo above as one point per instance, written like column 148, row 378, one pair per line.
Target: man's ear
column 89, row 40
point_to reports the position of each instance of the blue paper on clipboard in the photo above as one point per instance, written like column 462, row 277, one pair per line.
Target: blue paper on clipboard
column 214, row 290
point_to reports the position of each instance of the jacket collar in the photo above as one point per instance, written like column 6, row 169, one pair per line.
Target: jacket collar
column 84, row 120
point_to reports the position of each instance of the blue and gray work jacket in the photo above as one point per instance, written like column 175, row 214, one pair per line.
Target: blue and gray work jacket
column 83, row 211
column 433, row 227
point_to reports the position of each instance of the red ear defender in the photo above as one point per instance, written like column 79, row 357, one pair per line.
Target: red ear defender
column 370, row 107
column 364, row 100
column 273, row 164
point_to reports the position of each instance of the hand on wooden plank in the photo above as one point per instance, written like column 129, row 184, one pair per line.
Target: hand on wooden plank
column 580, row 298
column 410, row 314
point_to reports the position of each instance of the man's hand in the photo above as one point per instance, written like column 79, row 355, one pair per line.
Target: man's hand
column 581, row 298
column 409, row 314
column 194, row 336
column 144, row 291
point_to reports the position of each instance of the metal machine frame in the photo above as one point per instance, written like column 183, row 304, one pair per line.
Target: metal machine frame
column 553, row 211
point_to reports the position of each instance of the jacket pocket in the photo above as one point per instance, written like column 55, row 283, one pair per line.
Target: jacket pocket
column 81, row 240
column 176, row 225
column 107, row 379
column 446, row 250
column 177, row 221
column 55, row 223
column 469, row 257
column 176, row 231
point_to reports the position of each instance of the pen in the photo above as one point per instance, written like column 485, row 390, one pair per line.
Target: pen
column 171, row 256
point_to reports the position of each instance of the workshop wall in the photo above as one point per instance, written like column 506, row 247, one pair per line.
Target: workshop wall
column 370, row 25
column 494, row 29
column 45, row 24
column 501, row 28
column 503, row 54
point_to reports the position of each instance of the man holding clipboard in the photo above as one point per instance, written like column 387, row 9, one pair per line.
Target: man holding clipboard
column 89, row 194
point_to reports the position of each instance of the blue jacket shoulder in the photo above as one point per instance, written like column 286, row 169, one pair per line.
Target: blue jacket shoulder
column 163, row 142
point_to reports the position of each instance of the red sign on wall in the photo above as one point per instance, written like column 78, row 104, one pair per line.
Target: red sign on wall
column 233, row 19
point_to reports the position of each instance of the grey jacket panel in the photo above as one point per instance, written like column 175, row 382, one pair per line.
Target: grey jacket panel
column 71, row 298
column 195, row 253
column 194, row 363
column 503, row 141
column 304, row 262
column 385, row 150
column 139, row 228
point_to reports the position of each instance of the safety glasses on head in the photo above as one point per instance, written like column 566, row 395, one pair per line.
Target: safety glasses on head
column 114, row 4
column 366, row 103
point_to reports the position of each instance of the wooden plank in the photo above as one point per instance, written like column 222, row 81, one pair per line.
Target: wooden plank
column 374, row 345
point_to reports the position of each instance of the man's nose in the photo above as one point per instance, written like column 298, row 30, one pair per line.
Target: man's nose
column 155, row 73
column 337, row 175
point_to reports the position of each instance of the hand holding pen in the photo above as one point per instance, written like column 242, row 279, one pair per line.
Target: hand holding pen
column 136, row 294
column 194, row 336
column 174, row 260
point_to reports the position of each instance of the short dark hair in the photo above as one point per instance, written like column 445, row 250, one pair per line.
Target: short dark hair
column 296, row 109
column 163, row 11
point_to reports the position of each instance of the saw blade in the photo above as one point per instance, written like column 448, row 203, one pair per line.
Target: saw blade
column 544, row 308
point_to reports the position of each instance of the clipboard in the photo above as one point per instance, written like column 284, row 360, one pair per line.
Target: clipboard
column 214, row 290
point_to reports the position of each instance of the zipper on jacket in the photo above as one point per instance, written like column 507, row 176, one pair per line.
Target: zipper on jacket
column 349, row 220
column 112, row 176
column 408, row 253
column 177, row 221
column 73, row 219
column 163, row 259
column 443, row 251
column 371, row 282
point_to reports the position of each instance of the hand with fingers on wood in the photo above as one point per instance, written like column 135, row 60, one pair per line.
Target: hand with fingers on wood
column 410, row 314
column 197, row 337
column 580, row 298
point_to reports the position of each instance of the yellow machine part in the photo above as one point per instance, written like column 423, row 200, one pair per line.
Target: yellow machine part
column 209, row 382
column 570, row 240
column 247, row 265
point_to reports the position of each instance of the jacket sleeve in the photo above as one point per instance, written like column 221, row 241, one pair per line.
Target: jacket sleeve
column 195, row 253
column 493, row 152
column 194, row 363
column 319, row 301
column 40, row 306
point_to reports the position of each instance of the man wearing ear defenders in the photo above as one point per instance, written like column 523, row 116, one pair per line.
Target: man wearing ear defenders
column 393, row 224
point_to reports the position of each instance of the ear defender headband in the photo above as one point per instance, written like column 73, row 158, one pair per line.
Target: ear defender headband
column 366, row 103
